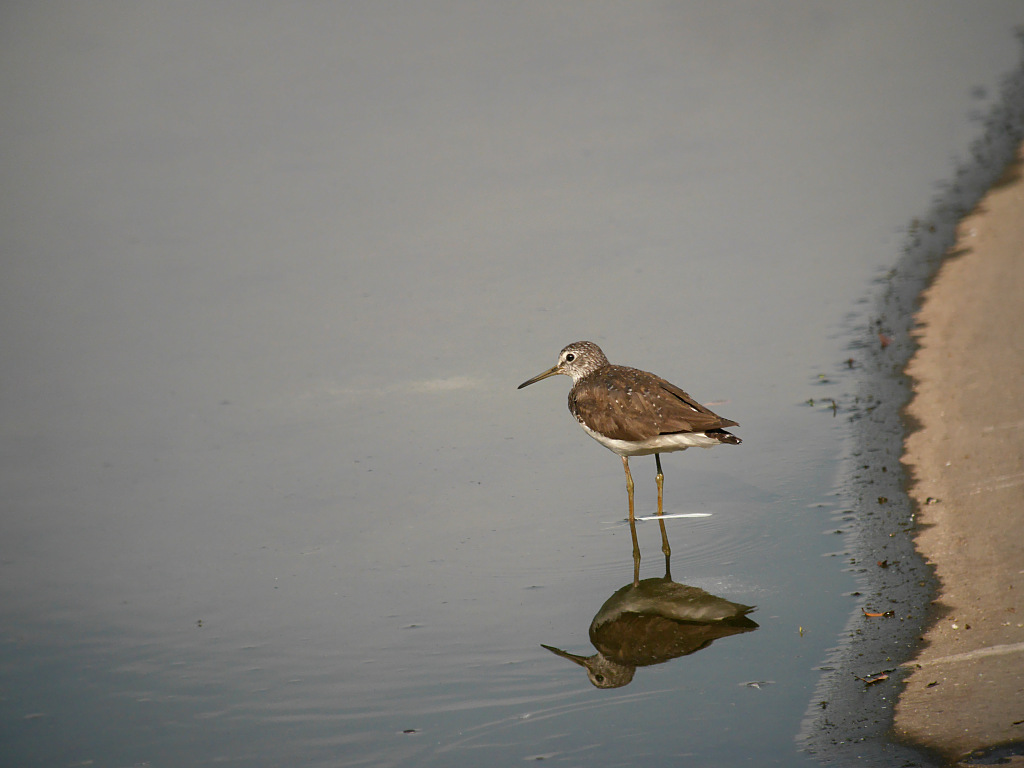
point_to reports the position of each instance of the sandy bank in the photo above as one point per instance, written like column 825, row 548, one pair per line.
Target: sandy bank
column 967, row 461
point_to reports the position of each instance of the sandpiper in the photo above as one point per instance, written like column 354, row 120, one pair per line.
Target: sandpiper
column 634, row 413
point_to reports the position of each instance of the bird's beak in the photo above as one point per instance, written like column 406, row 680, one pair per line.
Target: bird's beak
column 549, row 372
column 581, row 660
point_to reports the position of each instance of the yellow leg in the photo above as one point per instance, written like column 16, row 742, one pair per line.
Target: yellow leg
column 629, row 487
column 660, row 478
column 632, row 520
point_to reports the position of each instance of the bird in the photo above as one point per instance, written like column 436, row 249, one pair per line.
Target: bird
column 634, row 413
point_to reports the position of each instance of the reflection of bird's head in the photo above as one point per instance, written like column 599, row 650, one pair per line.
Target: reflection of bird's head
column 602, row 671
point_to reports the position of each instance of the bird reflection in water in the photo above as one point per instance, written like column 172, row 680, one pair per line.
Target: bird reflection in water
column 652, row 621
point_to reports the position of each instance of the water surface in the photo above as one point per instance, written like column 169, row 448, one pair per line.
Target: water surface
column 271, row 277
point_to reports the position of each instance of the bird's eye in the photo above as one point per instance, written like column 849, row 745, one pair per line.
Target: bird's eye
column 570, row 357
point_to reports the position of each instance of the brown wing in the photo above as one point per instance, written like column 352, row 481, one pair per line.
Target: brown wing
column 628, row 404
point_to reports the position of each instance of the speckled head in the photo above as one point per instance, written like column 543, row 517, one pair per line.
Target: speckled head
column 577, row 360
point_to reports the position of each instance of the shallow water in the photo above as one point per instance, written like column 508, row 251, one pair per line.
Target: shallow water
column 271, row 277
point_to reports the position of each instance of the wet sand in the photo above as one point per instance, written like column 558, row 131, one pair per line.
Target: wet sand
column 965, row 454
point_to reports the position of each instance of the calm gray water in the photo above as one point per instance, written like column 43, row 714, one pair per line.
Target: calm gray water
column 271, row 274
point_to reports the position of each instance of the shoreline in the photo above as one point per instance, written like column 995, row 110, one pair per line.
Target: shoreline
column 852, row 715
column 965, row 691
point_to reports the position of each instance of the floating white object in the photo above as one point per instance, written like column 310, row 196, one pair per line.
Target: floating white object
column 674, row 514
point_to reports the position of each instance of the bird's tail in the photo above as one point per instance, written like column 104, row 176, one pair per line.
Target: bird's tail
column 723, row 436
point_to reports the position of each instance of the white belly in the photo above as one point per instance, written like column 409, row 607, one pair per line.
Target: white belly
column 678, row 441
